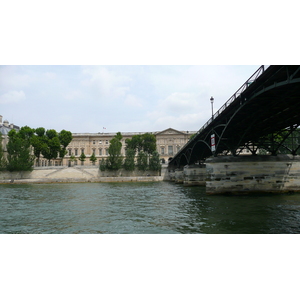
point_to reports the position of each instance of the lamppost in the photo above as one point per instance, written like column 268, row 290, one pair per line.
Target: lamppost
column 212, row 106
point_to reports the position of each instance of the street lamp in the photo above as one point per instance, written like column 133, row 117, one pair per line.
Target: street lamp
column 212, row 108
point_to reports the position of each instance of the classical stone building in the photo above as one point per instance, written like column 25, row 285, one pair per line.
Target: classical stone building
column 5, row 128
column 168, row 143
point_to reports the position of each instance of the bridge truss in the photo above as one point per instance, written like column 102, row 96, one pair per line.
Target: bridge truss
column 263, row 114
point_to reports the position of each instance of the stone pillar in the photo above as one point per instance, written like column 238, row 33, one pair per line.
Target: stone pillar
column 194, row 175
column 253, row 174
column 178, row 176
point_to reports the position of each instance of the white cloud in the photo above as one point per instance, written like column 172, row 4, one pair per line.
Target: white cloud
column 50, row 75
column 12, row 78
column 12, row 97
column 72, row 95
column 107, row 82
column 180, row 102
column 133, row 101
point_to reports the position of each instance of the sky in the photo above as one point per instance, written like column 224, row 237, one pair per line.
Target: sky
column 126, row 98
column 139, row 66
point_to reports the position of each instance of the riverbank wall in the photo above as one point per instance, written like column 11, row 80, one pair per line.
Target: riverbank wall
column 253, row 174
column 81, row 174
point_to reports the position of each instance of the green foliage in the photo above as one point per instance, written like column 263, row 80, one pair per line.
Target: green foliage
column 154, row 162
column 129, row 160
column 51, row 147
column 93, row 158
column 115, row 160
column 49, row 143
column 73, row 158
column 192, row 136
column 149, row 143
column 142, row 161
column 282, row 142
column 135, row 143
column 82, row 157
column 39, row 143
column 103, row 165
column 142, row 142
column 145, row 144
column 2, row 159
column 65, row 138
column 18, row 150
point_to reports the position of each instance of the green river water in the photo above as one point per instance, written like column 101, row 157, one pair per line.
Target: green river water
column 141, row 208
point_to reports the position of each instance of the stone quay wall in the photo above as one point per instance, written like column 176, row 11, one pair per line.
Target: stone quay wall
column 253, row 174
column 79, row 174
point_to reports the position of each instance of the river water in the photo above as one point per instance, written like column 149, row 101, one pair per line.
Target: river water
column 141, row 208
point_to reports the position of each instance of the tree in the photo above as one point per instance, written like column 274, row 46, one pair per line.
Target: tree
column 2, row 159
column 135, row 143
column 154, row 162
column 148, row 143
column 82, row 157
column 139, row 142
column 93, row 158
column 38, row 141
column 115, row 159
column 73, row 158
column 52, row 145
column 145, row 144
column 18, row 151
column 129, row 160
column 65, row 138
column 103, row 164
column 142, row 161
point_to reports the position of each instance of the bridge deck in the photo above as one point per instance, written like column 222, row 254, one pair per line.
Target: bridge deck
column 268, row 101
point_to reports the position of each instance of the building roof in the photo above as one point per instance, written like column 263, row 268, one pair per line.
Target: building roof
column 133, row 133
column 6, row 129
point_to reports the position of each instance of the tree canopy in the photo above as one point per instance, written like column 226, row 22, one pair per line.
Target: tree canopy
column 18, row 150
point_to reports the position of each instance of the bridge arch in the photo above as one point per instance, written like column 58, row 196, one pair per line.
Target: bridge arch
column 267, row 103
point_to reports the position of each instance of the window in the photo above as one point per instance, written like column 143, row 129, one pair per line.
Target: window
column 106, row 142
column 100, row 151
column 70, row 152
column 82, row 151
column 106, row 150
column 162, row 150
column 94, row 142
column 94, row 150
column 76, row 152
column 170, row 150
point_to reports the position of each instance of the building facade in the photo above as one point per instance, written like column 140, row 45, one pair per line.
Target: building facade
column 168, row 143
column 5, row 128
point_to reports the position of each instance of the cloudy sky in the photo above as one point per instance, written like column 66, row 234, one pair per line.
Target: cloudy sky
column 132, row 66
column 117, row 98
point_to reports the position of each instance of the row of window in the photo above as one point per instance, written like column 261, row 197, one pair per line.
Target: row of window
column 76, row 151
column 100, row 142
column 105, row 151
column 170, row 150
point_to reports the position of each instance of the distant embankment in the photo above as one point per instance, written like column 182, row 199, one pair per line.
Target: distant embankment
column 80, row 174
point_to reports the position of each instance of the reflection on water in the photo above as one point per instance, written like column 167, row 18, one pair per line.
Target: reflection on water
column 158, row 207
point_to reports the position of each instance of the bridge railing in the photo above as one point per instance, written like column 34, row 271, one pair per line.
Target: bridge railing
column 258, row 72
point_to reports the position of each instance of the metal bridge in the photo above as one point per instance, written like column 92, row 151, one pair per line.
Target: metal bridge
column 268, row 103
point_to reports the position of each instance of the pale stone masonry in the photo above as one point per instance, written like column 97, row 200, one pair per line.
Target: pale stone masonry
column 5, row 128
column 250, row 174
column 168, row 143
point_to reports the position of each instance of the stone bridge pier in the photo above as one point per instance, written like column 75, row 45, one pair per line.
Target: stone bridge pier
column 243, row 174
column 253, row 174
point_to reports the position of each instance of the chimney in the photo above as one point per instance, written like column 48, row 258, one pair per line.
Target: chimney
column 1, row 119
